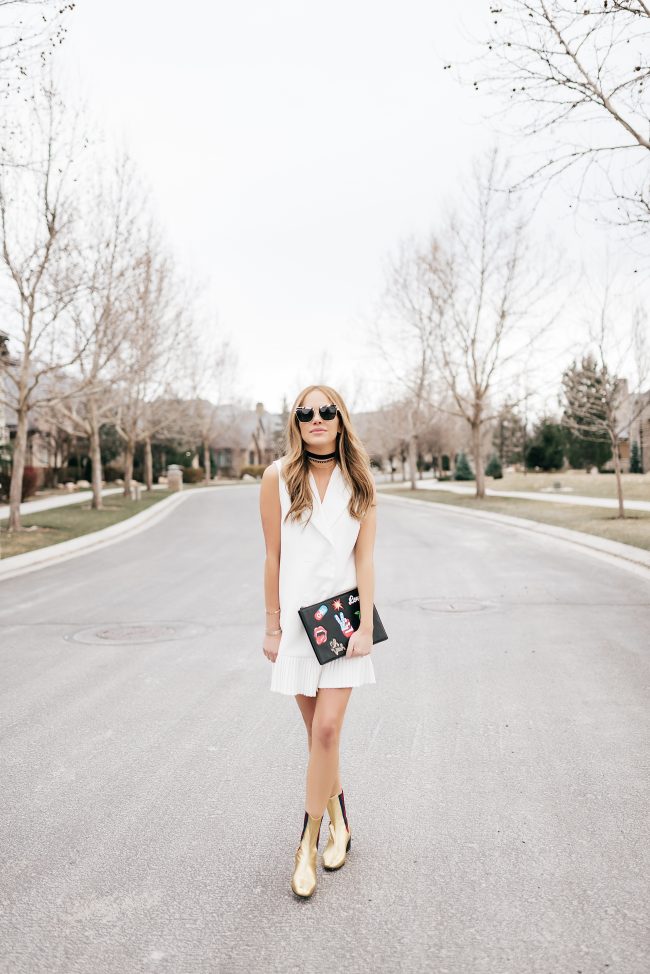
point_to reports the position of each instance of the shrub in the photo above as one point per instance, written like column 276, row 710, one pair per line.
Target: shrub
column 494, row 468
column 193, row 475
column 31, row 479
column 635, row 458
column 463, row 469
column 254, row 469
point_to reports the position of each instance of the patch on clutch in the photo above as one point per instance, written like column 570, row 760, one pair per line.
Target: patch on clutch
column 135, row 633
column 449, row 604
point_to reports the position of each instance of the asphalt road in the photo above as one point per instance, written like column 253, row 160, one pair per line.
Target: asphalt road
column 496, row 776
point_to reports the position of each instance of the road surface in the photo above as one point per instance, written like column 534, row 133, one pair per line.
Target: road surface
column 496, row 776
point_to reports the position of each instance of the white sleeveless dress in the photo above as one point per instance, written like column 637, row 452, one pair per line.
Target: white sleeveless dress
column 316, row 561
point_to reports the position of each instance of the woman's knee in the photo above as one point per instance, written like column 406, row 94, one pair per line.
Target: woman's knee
column 326, row 732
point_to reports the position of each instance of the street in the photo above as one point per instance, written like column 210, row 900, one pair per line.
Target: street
column 496, row 776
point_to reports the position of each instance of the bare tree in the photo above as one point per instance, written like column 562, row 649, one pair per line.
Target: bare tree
column 210, row 372
column 448, row 434
column 403, row 336
column 596, row 398
column 100, row 311
column 30, row 31
column 157, row 324
column 39, row 219
column 482, row 294
column 578, row 74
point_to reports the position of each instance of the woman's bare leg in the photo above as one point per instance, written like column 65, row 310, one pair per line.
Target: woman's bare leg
column 326, row 724
column 307, row 707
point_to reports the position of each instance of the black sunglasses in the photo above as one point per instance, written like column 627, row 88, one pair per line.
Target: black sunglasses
column 305, row 414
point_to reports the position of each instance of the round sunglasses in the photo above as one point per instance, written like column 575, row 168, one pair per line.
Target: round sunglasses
column 305, row 414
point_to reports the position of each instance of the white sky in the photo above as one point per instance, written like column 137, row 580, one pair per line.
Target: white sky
column 289, row 146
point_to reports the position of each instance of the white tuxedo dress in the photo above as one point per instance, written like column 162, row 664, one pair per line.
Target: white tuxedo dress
column 316, row 562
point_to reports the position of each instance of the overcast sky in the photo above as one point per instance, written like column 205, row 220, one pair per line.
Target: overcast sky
column 289, row 147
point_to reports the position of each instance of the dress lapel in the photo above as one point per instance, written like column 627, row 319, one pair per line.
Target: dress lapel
column 326, row 512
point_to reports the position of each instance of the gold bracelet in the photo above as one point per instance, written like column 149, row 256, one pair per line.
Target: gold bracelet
column 275, row 632
column 272, row 612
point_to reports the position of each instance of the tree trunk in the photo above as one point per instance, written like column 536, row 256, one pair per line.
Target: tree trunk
column 206, row 461
column 148, row 464
column 129, row 451
column 412, row 459
column 619, row 481
column 17, row 470
column 96, row 459
column 478, row 460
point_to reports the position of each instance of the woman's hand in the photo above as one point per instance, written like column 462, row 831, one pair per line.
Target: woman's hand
column 270, row 646
column 360, row 643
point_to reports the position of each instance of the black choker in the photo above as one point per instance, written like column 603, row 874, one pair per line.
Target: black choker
column 321, row 457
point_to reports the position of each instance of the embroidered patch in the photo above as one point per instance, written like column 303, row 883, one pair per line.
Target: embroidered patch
column 320, row 635
column 336, row 646
column 345, row 624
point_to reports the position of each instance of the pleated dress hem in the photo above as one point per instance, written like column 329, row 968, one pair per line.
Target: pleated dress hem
column 300, row 674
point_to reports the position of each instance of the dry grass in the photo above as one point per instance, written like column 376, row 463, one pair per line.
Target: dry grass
column 633, row 529
column 636, row 486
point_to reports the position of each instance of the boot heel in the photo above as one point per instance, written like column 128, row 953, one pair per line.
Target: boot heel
column 340, row 837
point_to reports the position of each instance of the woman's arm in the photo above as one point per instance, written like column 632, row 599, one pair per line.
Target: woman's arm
column 361, row 641
column 271, row 515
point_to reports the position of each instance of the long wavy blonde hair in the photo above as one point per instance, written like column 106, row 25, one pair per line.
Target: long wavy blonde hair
column 353, row 460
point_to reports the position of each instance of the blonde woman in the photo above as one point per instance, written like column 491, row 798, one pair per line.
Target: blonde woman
column 318, row 510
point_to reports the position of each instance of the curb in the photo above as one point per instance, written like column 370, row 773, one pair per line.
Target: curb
column 32, row 560
column 636, row 559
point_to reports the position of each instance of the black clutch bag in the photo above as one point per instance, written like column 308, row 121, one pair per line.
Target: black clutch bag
column 330, row 623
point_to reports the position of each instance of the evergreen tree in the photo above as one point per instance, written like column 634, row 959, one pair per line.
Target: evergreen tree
column 546, row 449
column 494, row 468
column 586, row 393
column 635, row 458
column 509, row 435
column 463, row 469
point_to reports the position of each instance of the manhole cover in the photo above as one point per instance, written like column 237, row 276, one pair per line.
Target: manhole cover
column 134, row 633
column 449, row 604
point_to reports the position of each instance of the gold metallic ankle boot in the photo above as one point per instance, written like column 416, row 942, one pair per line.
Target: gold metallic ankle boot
column 340, row 838
column 303, row 881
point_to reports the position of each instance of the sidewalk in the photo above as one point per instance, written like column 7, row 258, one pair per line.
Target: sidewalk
column 33, row 507
column 531, row 495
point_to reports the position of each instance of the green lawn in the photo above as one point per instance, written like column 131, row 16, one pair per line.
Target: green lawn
column 634, row 529
column 62, row 523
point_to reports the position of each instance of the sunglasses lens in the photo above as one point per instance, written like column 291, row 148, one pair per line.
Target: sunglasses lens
column 327, row 412
column 304, row 414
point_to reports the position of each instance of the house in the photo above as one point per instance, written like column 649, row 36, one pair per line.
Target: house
column 251, row 438
column 639, row 429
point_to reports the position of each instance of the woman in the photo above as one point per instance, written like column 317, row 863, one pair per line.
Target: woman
column 317, row 505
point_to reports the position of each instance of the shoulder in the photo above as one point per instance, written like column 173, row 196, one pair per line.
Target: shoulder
column 271, row 473
column 270, row 483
